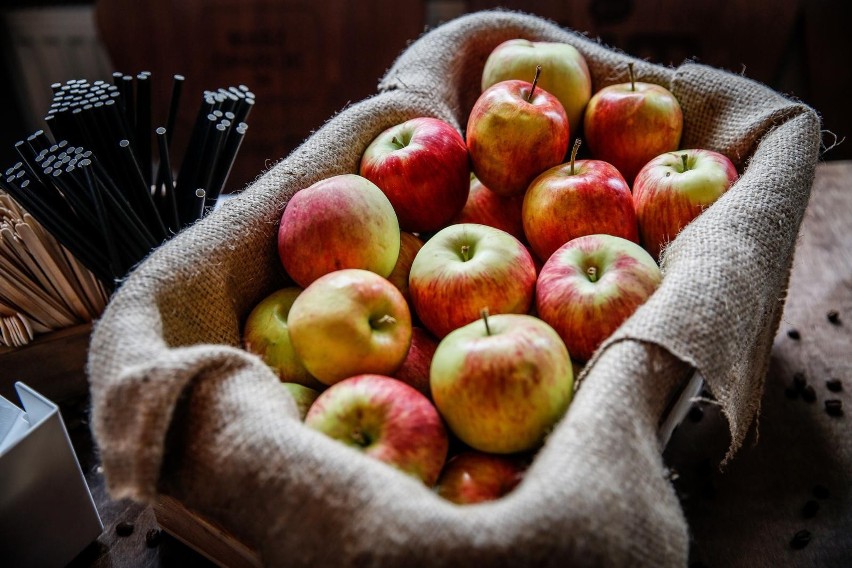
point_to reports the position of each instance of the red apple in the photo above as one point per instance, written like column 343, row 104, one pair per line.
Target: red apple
column 266, row 334
column 475, row 477
column 350, row 322
column 674, row 188
column 464, row 268
column 422, row 166
column 590, row 285
column 415, row 369
column 485, row 207
column 565, row 73
column 502, row 382
column 409, row 246
column 343, row 221
column 630, row 123
column 387, row 420
column 582, row 197
column 303, row 396
column 515, row 131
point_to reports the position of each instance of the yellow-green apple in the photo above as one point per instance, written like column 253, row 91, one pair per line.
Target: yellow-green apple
column 502, row 382
column 485, row 207
column 674, row 188
column 409, row 246
column 565, row 73
column 629, row 124
column 581, row 197
column 303, row 396
column 344, row 221
column 464, row 268
column 515, row 131
column 415, row 369
column 590, row 286
column 422, row 166
column 266, row 334
column 350, row 322
column 387, row 420
column 474, row 477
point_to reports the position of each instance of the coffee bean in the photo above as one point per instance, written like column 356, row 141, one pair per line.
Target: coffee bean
column 794, row 334
column 696, row 413
column 834, row 385
column 153, row 538
column 799, row 381
column 833, row 317
column 800, row 539
column 809, row 394
column 124, row 529
column 834, row 407
column 810, row 509
column 821, row 492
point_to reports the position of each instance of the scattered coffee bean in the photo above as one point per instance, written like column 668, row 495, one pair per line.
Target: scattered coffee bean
column 124, row 529
column 696, row 413
column 821, row 492
column 791, row 393
column 794, row 334
column 799, row 381
column 834, row 407
column 810, row 509
column 154, row 536
column 809, row 394
column 833, row 317
column 800, row 539
column 834, row 385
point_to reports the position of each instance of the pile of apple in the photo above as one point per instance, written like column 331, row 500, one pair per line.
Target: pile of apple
column 442, row 296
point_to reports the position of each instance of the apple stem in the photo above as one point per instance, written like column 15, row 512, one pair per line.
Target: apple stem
column 592, row 272
column 684, row 157
column 465, row 252
column 484, row 314
column 574, row 154
column 534, row 83
column 632, row 76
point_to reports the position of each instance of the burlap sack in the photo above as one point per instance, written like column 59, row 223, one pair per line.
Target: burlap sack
column 180, row 409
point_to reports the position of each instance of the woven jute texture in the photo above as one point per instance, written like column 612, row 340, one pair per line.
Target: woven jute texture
column 179, row 408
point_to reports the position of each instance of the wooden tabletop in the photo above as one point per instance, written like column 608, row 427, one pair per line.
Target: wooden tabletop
column 784, row 500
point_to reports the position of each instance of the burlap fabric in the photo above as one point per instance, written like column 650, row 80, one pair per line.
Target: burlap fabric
column 178, row 408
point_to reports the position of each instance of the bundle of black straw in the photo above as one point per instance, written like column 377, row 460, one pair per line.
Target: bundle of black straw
column 95, row 185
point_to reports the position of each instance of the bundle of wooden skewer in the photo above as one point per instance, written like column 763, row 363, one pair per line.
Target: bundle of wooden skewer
column 94, row 187
column 42, row 286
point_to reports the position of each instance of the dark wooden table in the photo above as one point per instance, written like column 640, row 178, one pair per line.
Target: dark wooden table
column 784, row 500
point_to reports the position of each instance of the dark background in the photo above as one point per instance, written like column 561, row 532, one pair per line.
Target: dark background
column 306, row 60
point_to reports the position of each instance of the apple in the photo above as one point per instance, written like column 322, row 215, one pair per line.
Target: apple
column 474, row 477
column 303, row 396
column 582, row 197
column 590, row 285
column 629, row 124
column 350, row 322
column 415, row 369
column 674, row 188
column 464, row 268
column 485, row 207
column 344, row 221
column 502, row 382
column 515, row 131
column 266, row 334
column 565, row 73
column 422, row 166
column 387, row 420
column 409, row 246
